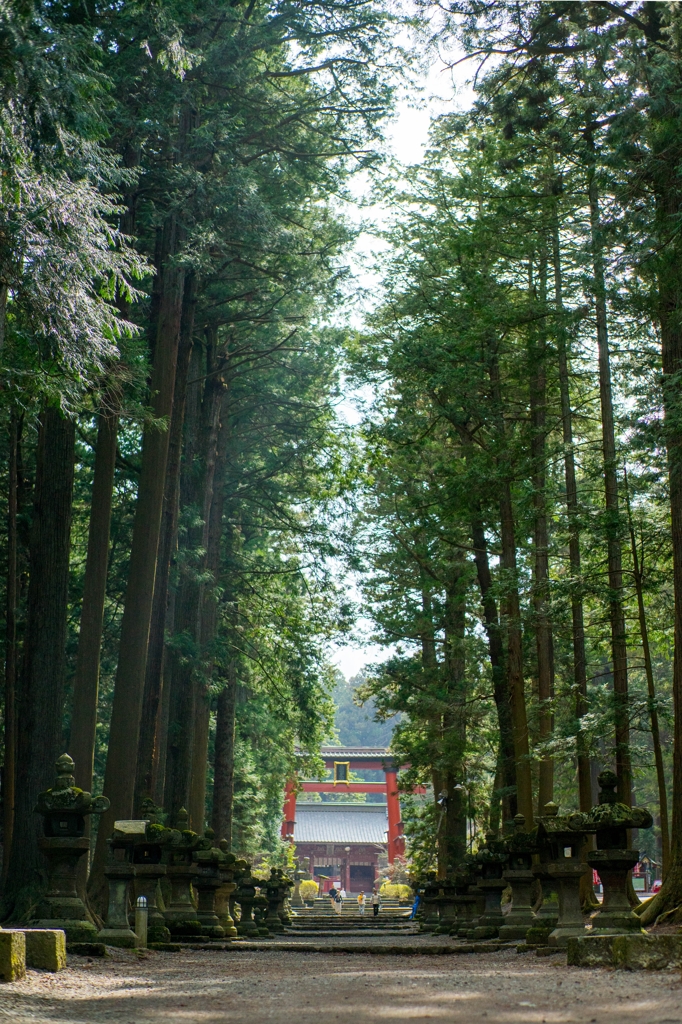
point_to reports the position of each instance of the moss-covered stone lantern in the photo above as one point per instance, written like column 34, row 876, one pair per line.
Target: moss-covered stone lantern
column 613, row 858
column 492, row 859
column 64, row 809
column 521, row 845
column 560, row 842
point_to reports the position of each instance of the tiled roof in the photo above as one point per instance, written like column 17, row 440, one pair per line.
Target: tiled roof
column 341, row 823
column 356, row 751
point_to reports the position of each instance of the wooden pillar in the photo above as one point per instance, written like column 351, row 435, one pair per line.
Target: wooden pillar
column 396, row 842
column 289, row 815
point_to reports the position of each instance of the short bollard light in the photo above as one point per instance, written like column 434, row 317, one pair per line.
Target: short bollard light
column 141, row 913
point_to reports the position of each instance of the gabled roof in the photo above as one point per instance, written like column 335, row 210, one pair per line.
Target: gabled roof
column 341, row 823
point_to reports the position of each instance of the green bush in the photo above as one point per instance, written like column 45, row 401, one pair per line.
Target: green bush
column 392, row 891
column 309, row 889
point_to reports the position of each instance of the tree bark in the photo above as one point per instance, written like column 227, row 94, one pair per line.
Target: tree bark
column 506, row 758
column 10, row 737
column 577, row 617
column 511, row 611
column 119, row 779
column 638, row 574
column 515, row 680
column 541, row 596
column 86, row 681
column 454, row 720
column 612, row 518
column 151, row 722
column 223, row 774
column 40, row 700
column 188, row 733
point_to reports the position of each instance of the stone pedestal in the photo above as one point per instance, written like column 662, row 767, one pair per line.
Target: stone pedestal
column 12, row 955
column 465, row 907
column 630, row 952
column 117, row 931
column 615, row 915
column 492, row 919
column 45, row 949
column 147, row 878
column 61, row 906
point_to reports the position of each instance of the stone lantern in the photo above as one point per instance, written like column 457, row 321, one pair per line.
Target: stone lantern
column 207, row 881
column 521, row 846
column 613, row 859
column 149, row 853
column 272, row 890
column 245, row 895
column 64, row 809
column 560, row 843
column 429, row 894
column 260, row 912
column 447, row 907
column 227, row 887
column 492, row 859
column 470, row 900
column 181, row 870
column 119, row 873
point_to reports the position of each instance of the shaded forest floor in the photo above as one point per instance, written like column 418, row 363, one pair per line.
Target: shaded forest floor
column 250, row 988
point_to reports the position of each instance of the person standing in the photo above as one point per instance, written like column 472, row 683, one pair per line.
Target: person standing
column 375, row 902
column 361, row 903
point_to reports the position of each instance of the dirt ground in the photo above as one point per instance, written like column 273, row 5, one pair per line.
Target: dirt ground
column 294, row 988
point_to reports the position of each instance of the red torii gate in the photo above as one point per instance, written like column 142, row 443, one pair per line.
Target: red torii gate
column 340, row 760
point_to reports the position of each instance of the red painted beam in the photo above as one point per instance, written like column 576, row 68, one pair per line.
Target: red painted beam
column 350, row 787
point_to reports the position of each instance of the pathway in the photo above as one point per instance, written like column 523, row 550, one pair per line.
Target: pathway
column 255, row 987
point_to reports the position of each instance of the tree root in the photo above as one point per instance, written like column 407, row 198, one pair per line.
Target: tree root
column 667, row 901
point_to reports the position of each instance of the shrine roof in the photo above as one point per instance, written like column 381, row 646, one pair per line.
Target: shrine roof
column 341, row 823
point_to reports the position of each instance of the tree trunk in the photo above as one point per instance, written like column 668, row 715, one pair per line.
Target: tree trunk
column 10, row 737
column 541, row 595
column 577, row 617
column 119, row 779
column 188, row 734
column 668, row 198
column 454, row 720
column 612, row 518
column 151, row 722
column 511, row 611
column 637, row 572
column 515, row 680
column 86, row 681
column 40, row 700
column 223, row 774
column 506, row 757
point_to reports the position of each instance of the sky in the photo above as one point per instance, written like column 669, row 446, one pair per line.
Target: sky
column 441, row 89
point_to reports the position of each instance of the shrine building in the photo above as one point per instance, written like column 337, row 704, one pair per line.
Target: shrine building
column 347, row 843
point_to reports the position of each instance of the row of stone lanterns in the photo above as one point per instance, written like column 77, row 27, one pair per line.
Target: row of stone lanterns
column 468, row 903
column 142, row 853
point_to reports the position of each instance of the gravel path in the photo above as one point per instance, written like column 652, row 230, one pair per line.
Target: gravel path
column 294, row 988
